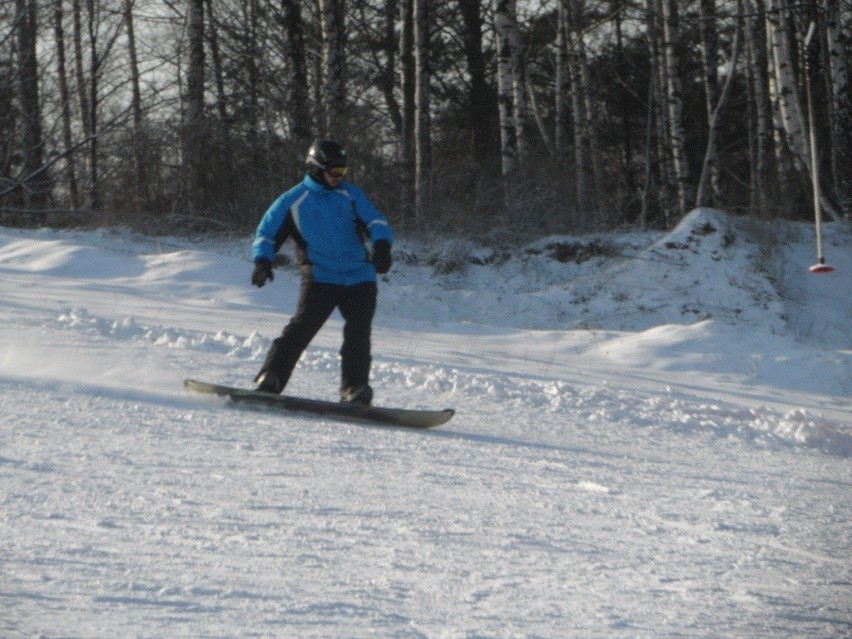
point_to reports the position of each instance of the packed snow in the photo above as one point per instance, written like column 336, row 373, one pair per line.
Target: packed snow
column 653, row 438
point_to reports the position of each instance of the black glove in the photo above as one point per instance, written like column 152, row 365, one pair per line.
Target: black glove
column 382, row 256
column 262, row 272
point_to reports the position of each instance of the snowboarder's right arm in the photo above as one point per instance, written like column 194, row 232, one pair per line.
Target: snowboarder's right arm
column 273, row 230
column 275, row 227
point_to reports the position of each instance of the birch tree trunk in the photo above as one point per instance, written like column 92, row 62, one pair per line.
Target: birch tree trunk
column 506, row 25
column 80, row 74
column 787, row 97
column 519, row 94
column 333, row 47
column 93, row 102
column 422, row 120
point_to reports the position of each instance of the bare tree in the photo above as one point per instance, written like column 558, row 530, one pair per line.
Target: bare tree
column 384, row 57
column 140, row 199
column 838, row 47
column 407, row 112
column 619, row 10
column 578, row 110
column 674, row 94
column 586, row 138
column 422, row 119
column 508, row 51
column 432, row 78
column 298, row 73
column 219, row 79
column 660, row 175
column 710, row 63
column 195, row 123
column 705, row 182
column 333, row 14
column 787, row 98
column 82, row 95
column 100, row 35
column 251, row 46
column 32, row 179
column 787, row 91
column 65, row 98
column 562, row 82
column 762, row 157
column 479, row 113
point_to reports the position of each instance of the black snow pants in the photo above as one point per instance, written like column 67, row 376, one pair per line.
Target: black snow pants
column 317, row 301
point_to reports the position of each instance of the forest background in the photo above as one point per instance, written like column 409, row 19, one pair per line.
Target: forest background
column 498, row 117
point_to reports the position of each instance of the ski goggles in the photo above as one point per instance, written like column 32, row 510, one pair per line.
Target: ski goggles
column 336, row 171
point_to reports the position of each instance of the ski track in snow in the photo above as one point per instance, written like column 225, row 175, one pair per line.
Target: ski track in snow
column 595, row 503
column 761, row 425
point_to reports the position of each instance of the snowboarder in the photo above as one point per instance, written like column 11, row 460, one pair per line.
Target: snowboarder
column 330, row 221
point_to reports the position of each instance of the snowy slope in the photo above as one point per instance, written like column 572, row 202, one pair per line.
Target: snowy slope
column 653, row 439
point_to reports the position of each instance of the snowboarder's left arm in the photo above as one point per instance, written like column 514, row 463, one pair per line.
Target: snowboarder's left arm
column 375, row 223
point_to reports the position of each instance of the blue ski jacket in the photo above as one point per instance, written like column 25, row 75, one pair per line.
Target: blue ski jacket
column 329, row 228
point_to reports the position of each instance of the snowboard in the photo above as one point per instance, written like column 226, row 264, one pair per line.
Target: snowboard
column 403, row 417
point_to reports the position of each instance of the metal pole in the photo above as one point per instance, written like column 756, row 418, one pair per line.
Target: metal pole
column 821, row 267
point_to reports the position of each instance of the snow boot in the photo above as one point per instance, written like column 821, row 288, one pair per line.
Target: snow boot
column 360, row 396
column 269, row 382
